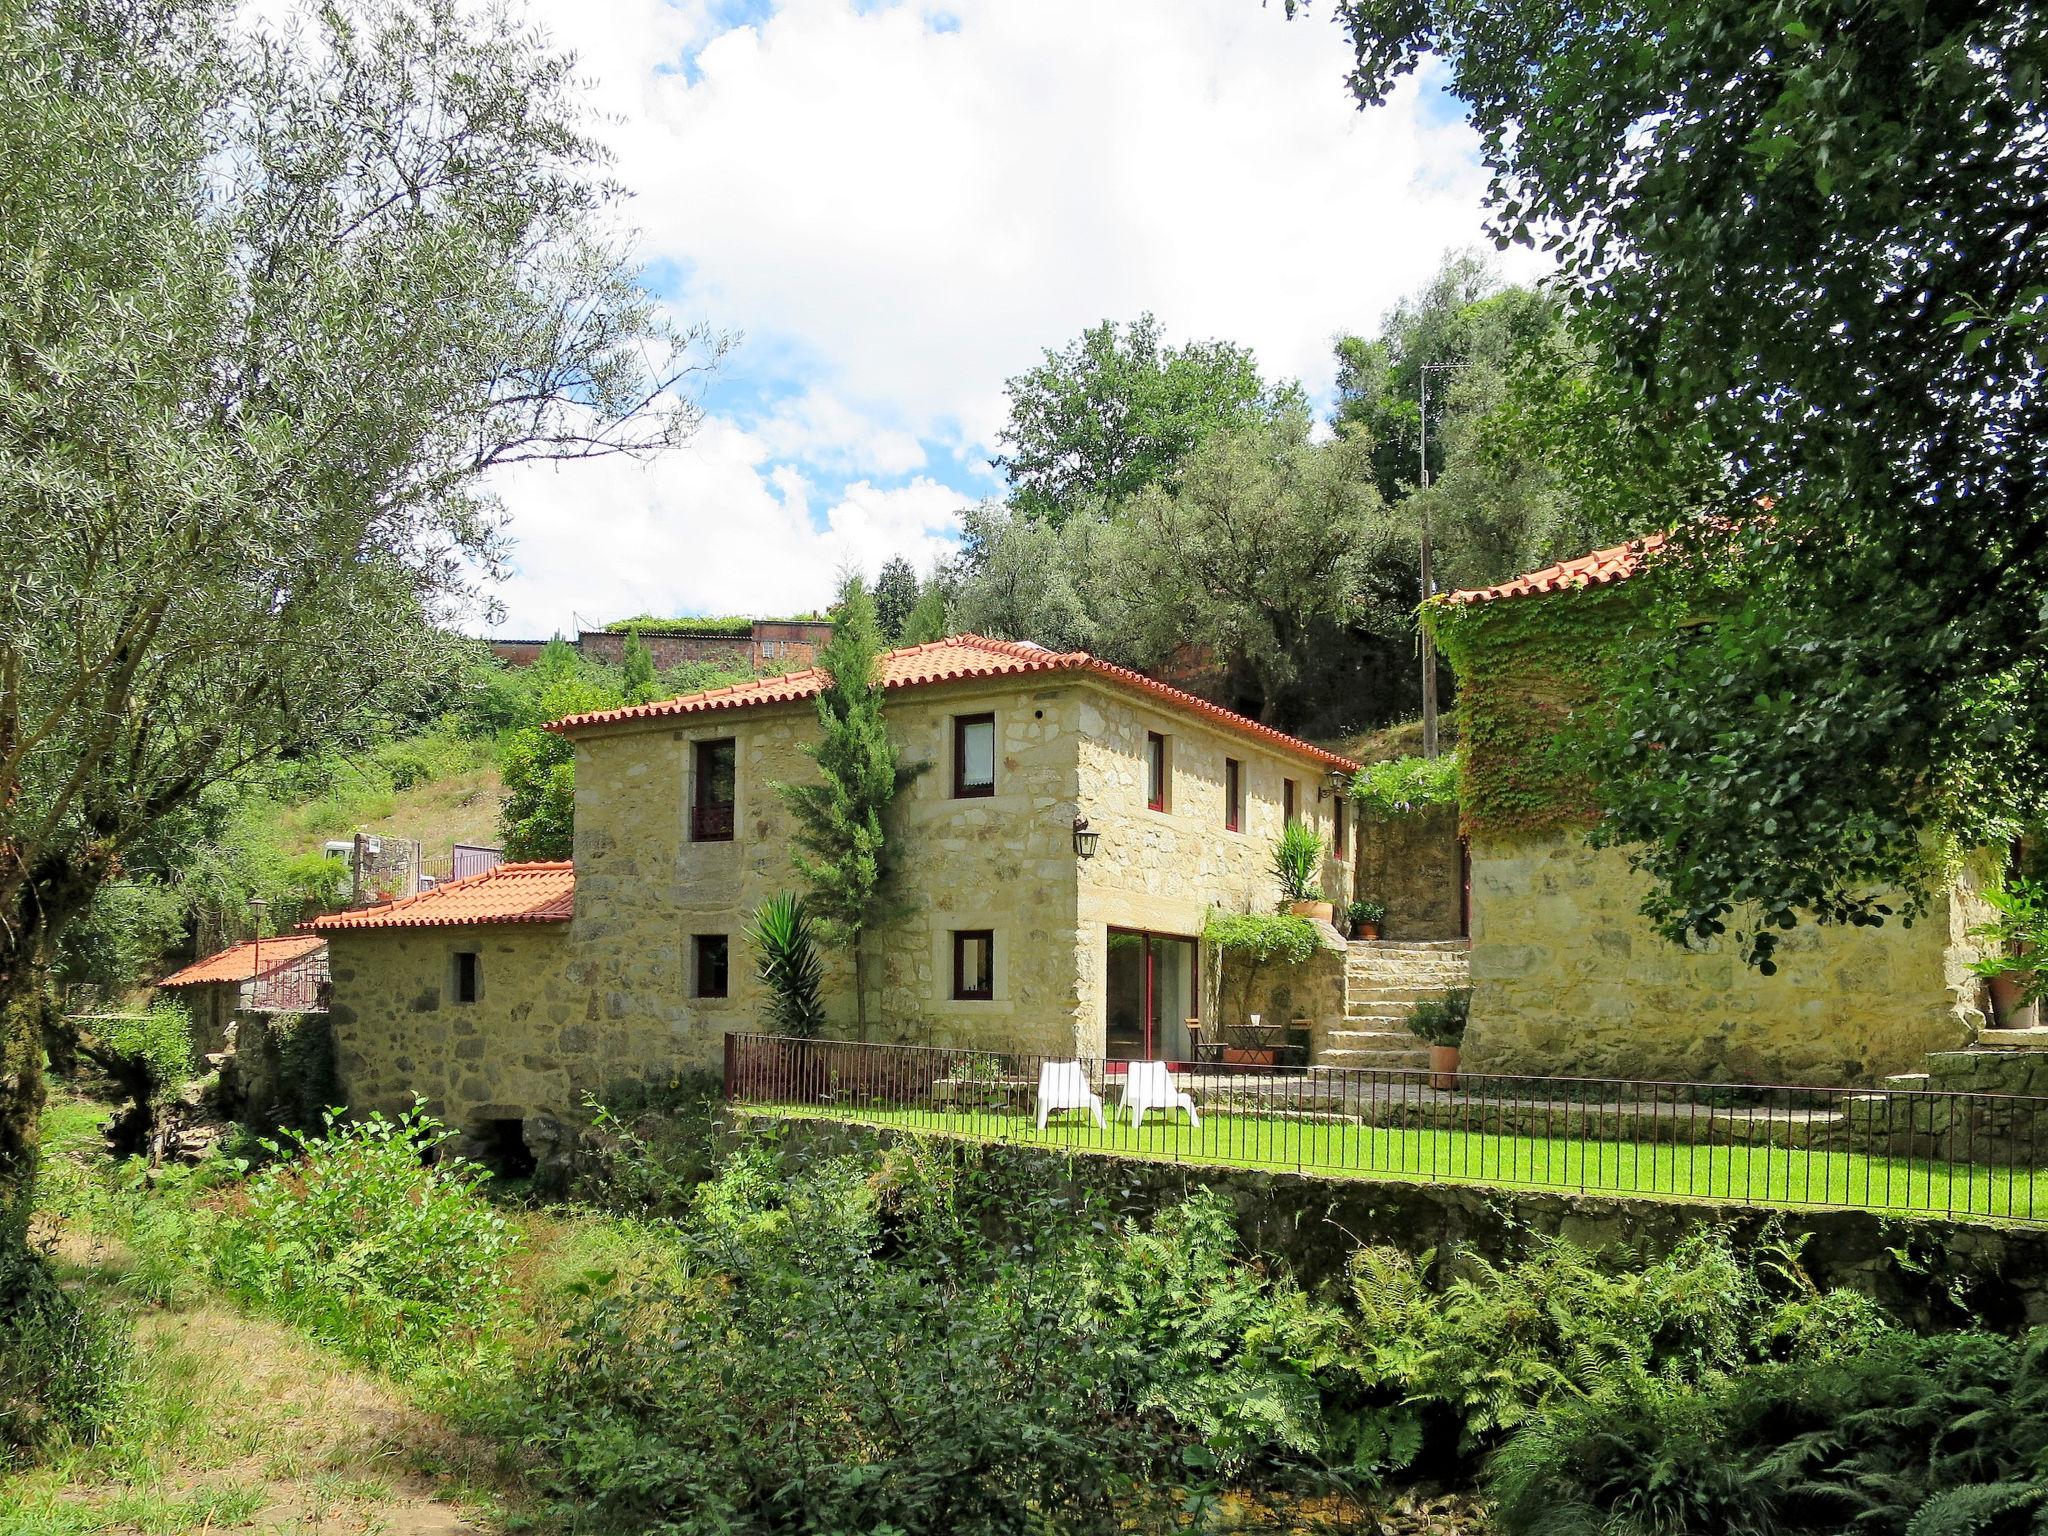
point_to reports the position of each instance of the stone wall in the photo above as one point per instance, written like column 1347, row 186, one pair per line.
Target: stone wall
column 1163, row 871
column 1415, row 864
column 1930, row 1273
column 1570, row 979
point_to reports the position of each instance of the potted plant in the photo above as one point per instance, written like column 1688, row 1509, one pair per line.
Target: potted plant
column 1249, row 1044
column 1441, row 1022
column 1367, row 914
column 1298, row 866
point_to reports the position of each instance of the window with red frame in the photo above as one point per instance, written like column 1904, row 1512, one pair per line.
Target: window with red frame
column 1155, row 771
column 1287, row 800
column 1337, row 828
column 974, row 756
column 1233, row 795
column 974, row 964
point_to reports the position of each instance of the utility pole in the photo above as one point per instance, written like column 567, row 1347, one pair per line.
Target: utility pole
column 1429, row 744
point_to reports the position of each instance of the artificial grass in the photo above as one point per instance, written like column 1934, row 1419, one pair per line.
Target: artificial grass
column 1744, row 1174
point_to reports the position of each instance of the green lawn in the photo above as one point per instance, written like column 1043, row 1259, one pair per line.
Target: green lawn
column 1756, row 1175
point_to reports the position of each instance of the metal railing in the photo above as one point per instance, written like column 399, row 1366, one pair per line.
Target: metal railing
column 1905, row 1151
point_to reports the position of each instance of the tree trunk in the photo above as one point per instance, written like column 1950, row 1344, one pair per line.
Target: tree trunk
column 56, row 891
column 860, row 986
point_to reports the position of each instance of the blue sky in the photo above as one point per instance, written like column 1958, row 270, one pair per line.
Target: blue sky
column 901, row 204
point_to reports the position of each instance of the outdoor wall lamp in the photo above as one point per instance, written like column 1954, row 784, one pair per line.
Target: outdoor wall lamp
column 1085, row 839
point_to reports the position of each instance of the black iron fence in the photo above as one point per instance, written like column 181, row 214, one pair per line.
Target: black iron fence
column 1920, row 1151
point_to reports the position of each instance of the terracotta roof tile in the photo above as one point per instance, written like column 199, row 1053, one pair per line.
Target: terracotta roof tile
column 510, row 893
column 956, row 658
column 1602, row 568
column 238, row 961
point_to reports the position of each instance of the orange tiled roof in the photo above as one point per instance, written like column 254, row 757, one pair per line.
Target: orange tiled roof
column 954, row 659
column 1602, row 568
column 510, row 893
column 238, row 961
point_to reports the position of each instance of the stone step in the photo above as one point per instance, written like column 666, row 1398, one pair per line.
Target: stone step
column 1390, row 996
column 1384, row 1061
column 1907, row 1080
column 2014, row 1039
column 1387, row 1018
column 1370, row 1040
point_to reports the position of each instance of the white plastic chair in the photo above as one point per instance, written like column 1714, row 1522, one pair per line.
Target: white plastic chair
column 1064, row 1085
column 1148, row 1085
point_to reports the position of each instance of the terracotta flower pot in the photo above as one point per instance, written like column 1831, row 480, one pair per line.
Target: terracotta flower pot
column 1237, row 1056
column 1368, row 930
column 1443, row 1066
column 1317, row 911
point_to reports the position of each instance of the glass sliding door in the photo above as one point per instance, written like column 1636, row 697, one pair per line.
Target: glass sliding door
column 1153, row 990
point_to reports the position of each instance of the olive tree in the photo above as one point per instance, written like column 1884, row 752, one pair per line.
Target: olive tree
column 275, row 298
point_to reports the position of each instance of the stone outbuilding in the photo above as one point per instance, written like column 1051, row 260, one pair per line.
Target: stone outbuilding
column 1569, row 977
column 287, row 974
column 1073, row 825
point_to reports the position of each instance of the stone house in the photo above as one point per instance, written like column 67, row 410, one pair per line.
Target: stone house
column 287, row 974
column 1074, row 824
column 1568, row 976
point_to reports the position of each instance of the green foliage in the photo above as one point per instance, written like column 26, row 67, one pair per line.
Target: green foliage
column 1276, row 938
column 927, row 621
column 637, row 681
column 1535, row 682
column 1245, row 945
column 1367, row 909
column 649, row 1146
column 539, row 766
column 1297, row 861
column 233, row 547
column 153, row 1049
column 1404, row 786
column 1504, row 496
column 1264, row 546
column 1823, row 267
column 896, row 597
column 354, row 1236
column 786, row 961
column 1117, row 410
column 2020, row 934
column 840, row 822
column 848, row 1353
column 63, row 1363
column 1442, row 1020
column 121, row 940
column 1943, row 1436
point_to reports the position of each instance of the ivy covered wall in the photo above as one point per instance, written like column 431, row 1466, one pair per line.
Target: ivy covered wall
column 1531, row 673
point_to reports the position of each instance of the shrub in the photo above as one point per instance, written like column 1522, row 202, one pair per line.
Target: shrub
column 832, row 1362
column 1368, row 909
column 1247, row 944
column 1943, row 1436
column 63, row 1365
column 371, row 1248
column 1442, row 1020
column 787, row 963
column 1298, row 862
column 649, row 1146
column 1405, row 785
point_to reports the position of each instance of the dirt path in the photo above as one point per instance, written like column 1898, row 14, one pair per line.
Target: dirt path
column 241, row 1425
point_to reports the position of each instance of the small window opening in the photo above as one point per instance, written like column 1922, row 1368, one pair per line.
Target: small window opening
column 467, row 983
column 1155, row 771
column 712, row 956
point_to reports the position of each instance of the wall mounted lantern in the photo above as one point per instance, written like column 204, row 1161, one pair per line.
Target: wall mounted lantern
column 1085, row 839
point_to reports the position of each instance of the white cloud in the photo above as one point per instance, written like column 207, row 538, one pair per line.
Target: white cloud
column 714, row 527
column 900, row 217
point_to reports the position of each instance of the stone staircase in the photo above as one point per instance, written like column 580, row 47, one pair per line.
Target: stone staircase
column 1383, row 980
column 1998, row 1061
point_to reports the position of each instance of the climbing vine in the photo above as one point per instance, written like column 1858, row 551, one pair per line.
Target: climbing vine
column 1405, row 786
column 1533, row 674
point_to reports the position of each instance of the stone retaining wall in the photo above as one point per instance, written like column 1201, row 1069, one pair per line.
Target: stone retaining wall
column 1931, row 1273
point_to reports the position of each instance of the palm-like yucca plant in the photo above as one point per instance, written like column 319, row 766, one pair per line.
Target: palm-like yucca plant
column 786, row 960
column 1298, row 862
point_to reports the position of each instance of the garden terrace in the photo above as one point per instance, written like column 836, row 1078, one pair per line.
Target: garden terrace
column 1911, row 1151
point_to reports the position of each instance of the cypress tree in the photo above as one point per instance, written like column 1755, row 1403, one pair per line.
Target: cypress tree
column 841, row 839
